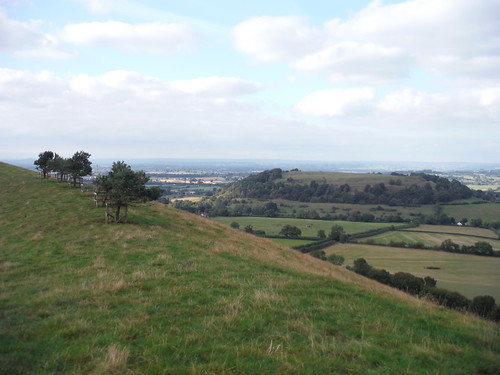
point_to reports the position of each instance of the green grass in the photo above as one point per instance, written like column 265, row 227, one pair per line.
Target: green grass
column 487, row 211
column 355, row 180
column 172, row 293
column 464, row 230
column 429, row 239
column 468, row 274
column 309, row 228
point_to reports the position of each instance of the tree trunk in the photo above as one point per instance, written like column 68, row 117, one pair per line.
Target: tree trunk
column 117, row 213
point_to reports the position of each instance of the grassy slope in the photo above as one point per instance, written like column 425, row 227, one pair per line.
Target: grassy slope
column 172, row 293
column 470, row 275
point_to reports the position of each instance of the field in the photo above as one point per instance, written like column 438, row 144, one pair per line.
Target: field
column 309, row 228
column 355, row 180
column 464, row 230
column 429, row 239
column 468, row 274
column 173, row 293
column 486, row 211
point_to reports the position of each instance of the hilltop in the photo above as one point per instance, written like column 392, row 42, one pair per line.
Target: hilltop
column 173, row 293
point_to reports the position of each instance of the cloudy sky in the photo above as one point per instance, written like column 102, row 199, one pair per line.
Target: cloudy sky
column 333, row 80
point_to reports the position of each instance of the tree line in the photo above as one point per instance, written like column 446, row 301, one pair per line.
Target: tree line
column 73, row 168
column 119, row 187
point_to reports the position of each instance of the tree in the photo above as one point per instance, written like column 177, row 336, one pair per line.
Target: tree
column 449, row 245
column 43, row 162
column 483, row 248
column 321, row 234
column 336, row 232
column 124, row 186
column 79, row 165
column 290, row 231
column 60, row 165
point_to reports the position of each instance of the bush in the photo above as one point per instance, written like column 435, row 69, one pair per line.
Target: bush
column 335, row 259
column 235, row 225
column 361, row 267
column 452, row 300
column 483, row 305
column 382, row 276
column 408, row 282
column 320, row 254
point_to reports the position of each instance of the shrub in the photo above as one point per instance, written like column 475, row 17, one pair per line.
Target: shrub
column 482, row 305
column 408, row 282
column 235, row 225
column 361, row 267
column 335, row 259
column 320, row 254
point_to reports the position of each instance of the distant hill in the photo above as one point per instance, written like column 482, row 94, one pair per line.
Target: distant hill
column 173, row 293
column 357, row 188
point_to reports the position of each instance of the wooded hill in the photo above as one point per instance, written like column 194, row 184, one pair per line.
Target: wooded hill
column 394, row 190
column 173, row 293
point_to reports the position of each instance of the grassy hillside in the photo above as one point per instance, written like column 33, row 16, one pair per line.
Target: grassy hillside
column 172, row 293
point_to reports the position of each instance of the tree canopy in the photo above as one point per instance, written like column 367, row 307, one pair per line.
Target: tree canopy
column 43, row 163
column 123, row 186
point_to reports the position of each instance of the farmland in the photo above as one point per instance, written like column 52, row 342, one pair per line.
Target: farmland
column 468, row 231
column 429, row 239
column 309, row 228
column 470, row 275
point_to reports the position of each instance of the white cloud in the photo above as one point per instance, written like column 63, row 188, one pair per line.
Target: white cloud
column 98, row 6
column 352, row 61
column 275, row 38
column 25, row 40
column 380, row 42
column 338, row 102
column 154, row 37
column 218, row 86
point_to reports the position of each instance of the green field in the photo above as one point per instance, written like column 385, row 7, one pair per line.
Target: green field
column 355, row 180
column 486, row 211
column 173, row 293
column 309, row 228
column 470, row 275
column 464, row 230
column 428, row 239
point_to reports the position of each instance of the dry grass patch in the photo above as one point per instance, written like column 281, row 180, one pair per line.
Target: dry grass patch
column 115, row 361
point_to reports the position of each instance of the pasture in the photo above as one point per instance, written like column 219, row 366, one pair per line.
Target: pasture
column 429, row 239
column 309, row 228
column 486, row 211
column 470, row 275
column 455, row 229
column 354, row 180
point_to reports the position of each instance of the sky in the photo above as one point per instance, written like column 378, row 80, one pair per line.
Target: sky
column 328, row 80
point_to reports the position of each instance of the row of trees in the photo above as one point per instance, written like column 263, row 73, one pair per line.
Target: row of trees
column 119, row 187
column 483, row 306
column 478, row 248
column 75, row 167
